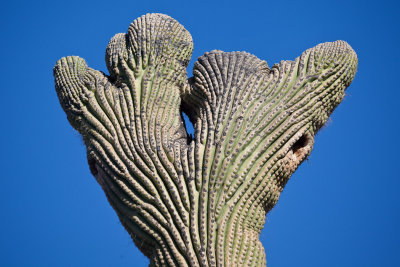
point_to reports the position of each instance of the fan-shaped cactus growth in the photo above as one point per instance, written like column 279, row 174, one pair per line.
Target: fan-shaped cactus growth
column 198, row 201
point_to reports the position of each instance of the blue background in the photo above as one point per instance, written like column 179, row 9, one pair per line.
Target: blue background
column 341, row 208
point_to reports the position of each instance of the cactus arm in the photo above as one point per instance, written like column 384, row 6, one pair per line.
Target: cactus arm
column 134, row 133
column 261, row 126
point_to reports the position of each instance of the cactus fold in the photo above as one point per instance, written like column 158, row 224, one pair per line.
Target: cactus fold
column 198, row 201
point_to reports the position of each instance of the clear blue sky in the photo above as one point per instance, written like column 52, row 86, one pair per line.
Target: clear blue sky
column 341, row 208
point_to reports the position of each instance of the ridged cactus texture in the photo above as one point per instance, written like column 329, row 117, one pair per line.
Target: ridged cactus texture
column 198, row 201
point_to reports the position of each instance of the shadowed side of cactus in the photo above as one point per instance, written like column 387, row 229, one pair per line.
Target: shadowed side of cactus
column 198, row 201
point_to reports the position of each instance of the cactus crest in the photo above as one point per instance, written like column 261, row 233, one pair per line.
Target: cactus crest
column 198, row 201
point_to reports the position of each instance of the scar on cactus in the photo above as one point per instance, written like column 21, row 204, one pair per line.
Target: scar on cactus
column 201, row 200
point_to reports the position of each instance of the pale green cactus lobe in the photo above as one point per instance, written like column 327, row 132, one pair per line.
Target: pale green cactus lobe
column 200, row 201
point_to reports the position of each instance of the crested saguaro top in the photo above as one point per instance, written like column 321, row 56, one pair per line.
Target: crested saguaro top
column 198, row 201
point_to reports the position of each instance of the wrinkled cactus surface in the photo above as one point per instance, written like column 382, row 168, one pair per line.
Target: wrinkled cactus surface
column 202, row 200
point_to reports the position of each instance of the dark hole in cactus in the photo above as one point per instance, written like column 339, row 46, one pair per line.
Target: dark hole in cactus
column 298, row 146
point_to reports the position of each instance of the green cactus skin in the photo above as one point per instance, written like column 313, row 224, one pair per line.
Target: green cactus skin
column 200, row 201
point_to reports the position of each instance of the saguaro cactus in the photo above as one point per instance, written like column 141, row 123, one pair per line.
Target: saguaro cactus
column 198, row 201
